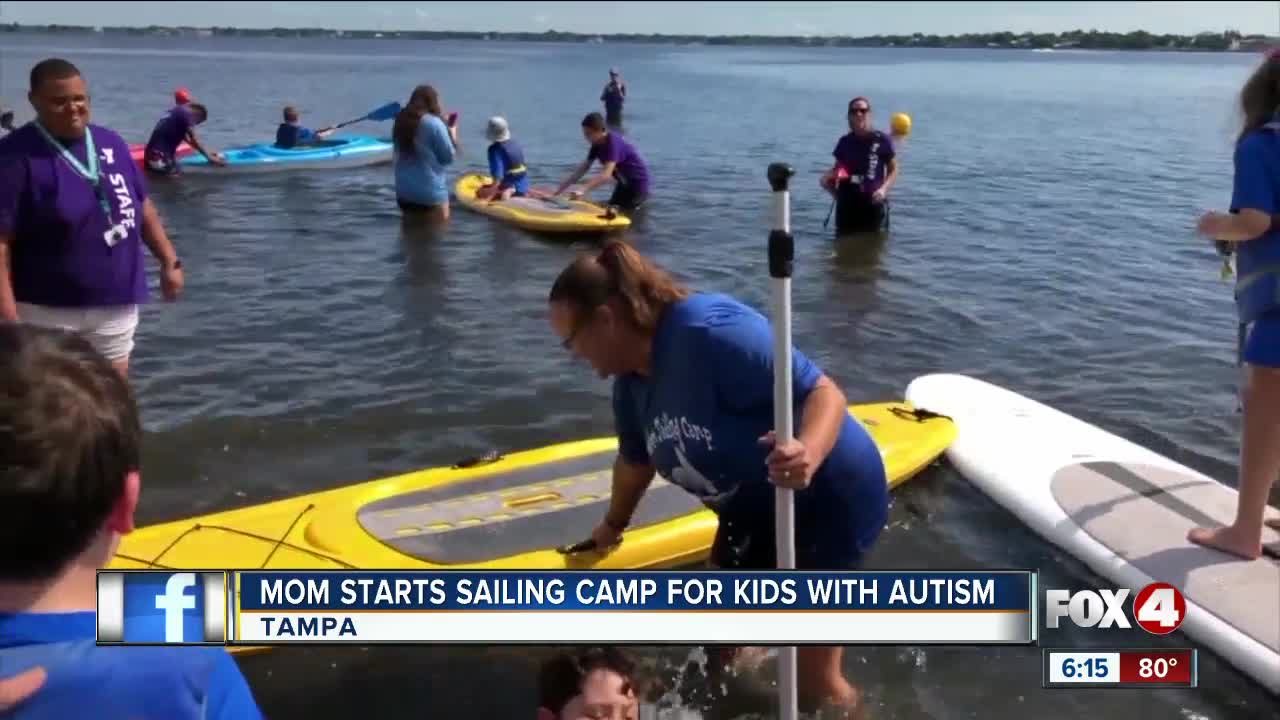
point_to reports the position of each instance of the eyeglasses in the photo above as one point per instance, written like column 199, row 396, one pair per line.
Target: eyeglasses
column 567, row 343
column 859, row 110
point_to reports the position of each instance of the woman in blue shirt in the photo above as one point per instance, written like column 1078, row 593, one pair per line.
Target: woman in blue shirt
column 693, row 401
column 1250, row 230
column 424, row 146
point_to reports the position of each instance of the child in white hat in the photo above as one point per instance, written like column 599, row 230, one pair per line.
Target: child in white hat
column 506, row 164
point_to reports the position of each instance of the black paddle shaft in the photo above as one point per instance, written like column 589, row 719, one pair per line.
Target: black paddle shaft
column 782, row 246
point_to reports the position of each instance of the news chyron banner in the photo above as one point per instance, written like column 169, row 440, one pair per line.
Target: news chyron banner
column 561, row 607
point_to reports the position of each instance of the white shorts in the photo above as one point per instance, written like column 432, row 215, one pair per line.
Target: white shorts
column 109, row 329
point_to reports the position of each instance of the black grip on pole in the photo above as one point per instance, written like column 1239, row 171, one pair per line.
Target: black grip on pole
column 782, row 247
column 779, row 175
column 782, row 251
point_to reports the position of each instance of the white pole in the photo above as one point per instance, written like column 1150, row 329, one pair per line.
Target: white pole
column 781, row 255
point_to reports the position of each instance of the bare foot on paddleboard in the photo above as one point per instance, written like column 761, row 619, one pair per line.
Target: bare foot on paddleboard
column 1228, row 540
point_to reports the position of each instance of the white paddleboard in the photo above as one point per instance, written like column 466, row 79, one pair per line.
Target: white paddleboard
column 1118, row 507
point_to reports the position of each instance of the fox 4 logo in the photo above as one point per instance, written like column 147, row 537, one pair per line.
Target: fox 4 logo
column 1157, row 608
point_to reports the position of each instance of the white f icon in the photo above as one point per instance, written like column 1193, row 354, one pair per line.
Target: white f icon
column 174, row 601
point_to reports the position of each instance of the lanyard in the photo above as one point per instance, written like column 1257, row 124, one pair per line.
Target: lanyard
column 91, row 174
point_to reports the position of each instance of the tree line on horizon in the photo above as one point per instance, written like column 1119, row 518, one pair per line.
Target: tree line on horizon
column 1089, row 40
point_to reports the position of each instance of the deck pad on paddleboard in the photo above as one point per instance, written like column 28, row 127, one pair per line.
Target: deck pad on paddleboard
column 1120, row 508
column 514, row 512
column 1143, row 512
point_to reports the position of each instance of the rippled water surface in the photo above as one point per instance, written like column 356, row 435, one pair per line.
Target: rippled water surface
column 1042, row 239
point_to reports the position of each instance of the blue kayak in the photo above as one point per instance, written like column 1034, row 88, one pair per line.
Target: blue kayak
column 335, row 152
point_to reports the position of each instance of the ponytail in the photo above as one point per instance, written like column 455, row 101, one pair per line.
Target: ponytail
column 643, row 288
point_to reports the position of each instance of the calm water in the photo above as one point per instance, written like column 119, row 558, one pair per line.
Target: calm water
column 1042, row 238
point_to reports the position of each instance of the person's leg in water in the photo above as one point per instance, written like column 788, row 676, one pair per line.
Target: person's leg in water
column 819, row 676
column 434, row 214
column 1259, row 446
column 626, row 199
column 856, row 213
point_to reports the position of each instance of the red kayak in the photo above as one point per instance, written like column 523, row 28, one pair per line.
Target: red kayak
column 137, row 151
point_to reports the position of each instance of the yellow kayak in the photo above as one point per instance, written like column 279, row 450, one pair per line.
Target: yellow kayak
column 553, row 216
column 511, row 512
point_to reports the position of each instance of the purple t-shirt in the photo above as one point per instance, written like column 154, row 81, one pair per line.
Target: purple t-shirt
column 170, row 131
column 866, row 157
column 65, row 252
column 630, row 169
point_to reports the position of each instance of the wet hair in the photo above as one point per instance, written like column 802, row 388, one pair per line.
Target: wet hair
column 290, row 113
column 50, row 70
column 1260, row 96
column 560, row 678
column 201, row 110
column 643, row 288
column 424, row 100
column 69, row 435
column 863, row 99
column 594, row 121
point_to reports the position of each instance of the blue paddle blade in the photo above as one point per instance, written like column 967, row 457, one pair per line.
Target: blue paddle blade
column 386, row 112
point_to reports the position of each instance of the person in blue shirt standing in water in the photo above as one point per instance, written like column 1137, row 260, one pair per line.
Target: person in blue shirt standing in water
column 292, row 134
column 693, row 402
column 71, row 440
column 425, row 144
column 613, row 97
column 506, row 164
column 1251, row 228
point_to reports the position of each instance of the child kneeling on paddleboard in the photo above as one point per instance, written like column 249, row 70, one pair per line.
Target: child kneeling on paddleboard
column 506, row 164
column 71, row 441
column 703, row 363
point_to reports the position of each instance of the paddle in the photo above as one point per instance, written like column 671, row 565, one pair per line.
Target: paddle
column 386, row 112
column 781, row 255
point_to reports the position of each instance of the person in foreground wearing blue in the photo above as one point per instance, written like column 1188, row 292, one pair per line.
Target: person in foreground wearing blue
column 1255, row 236
column 506, row 164
column 693, row 402
column 71, row 439
column 292, row 134
column 424, row 146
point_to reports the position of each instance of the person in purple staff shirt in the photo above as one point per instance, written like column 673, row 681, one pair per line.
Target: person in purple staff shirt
column 620, row 162
column 74, row 215
column 865, row 169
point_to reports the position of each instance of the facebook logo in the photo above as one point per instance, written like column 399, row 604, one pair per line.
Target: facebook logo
column 149, row 607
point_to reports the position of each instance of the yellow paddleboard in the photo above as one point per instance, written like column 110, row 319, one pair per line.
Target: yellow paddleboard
column 552, row 216
column 512, row 512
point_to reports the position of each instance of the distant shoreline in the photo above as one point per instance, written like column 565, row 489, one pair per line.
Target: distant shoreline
column 1229, row 41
